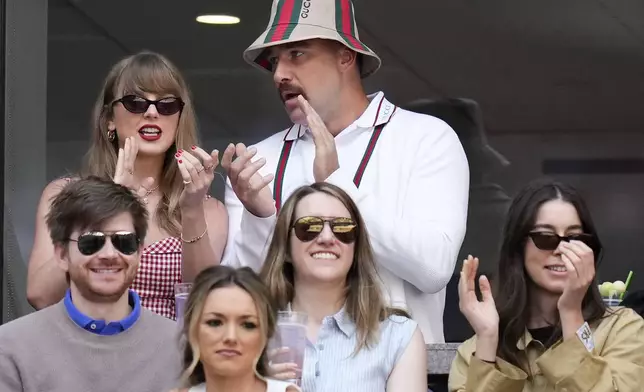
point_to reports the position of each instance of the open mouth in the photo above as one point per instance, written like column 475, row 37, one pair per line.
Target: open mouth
column 324, row 256
column 106, row 271
column 150, row 132
column 557, row 268
column 286, row 97
column 289, row 93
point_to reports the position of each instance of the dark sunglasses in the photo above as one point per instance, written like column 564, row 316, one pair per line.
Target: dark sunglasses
column 123, row 241
column 165, row 106
column 550, row 241
column 308, row 228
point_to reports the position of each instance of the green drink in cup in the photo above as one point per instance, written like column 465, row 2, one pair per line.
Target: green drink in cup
column 613, row 292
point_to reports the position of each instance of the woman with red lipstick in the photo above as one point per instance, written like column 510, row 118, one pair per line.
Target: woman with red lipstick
column 546, row 328
column 144, row 136
column 229, row 320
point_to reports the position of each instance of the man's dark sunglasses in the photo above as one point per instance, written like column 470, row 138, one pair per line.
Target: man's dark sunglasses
column 123, row 241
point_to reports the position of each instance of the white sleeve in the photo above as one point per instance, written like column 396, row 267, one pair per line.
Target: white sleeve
column 421, row 244
column 248, row 235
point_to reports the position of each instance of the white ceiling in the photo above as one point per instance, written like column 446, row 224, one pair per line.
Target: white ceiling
column 548, row 65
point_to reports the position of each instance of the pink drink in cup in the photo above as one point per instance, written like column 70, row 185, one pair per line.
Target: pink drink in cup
column 181, row 292
column 290, row 340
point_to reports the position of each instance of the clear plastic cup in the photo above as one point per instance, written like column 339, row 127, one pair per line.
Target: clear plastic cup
column 181, row 292
column 612, row 300
column 289, row 342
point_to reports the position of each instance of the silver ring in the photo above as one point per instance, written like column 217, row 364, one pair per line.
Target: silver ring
column 187, row 182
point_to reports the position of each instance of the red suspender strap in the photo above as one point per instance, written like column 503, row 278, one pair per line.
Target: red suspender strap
column 357, row 179
column 367, row 154
column 279, row 173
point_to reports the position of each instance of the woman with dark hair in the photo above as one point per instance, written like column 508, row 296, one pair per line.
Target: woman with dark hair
column 546, row 328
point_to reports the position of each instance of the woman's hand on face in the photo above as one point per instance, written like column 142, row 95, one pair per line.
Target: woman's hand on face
column 482, row 315
column 124, row 173
column 197, row 169
column 579, row 259
column 280, row 371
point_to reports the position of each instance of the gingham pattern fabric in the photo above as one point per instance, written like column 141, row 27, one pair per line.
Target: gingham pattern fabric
column 300, row 20
column 159, row 270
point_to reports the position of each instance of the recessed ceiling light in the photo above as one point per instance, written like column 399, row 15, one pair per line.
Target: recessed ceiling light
column 217, row 19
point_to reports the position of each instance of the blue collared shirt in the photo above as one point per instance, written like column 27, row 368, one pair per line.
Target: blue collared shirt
column 100, row 327
column 331, row 357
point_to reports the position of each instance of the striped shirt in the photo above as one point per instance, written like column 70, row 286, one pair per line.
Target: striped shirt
column 329, row 364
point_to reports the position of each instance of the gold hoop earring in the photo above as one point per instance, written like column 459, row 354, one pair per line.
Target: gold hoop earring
column 111, row 136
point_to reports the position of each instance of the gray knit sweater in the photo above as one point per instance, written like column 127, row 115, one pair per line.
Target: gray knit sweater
column 47, row 352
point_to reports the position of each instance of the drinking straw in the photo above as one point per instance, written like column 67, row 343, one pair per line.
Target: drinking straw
column 628, row 282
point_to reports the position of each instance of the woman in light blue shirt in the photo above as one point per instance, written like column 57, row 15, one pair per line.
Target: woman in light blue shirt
column 320, row 263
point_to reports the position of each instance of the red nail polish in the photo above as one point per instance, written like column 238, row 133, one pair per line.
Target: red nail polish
column 180, row 161
column 177, row 154
column 194, row 147
column 180, row 151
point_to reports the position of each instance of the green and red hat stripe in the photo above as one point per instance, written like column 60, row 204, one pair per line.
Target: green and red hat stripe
column 285, row 20
column 344, row 23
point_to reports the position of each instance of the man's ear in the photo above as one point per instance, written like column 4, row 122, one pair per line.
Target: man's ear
column 61, row 254
column 348, row 58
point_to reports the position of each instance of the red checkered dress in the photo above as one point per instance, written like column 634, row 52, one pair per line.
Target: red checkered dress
column 159, row 270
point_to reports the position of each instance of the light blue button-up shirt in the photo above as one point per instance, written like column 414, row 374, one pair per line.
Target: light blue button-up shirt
column 329, row 364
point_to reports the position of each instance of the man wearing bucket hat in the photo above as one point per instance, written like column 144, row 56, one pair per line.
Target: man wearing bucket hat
column 406, row 171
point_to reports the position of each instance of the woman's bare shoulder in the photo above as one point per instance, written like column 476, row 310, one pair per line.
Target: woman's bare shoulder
column 213, row 203
column 54, row 187
column 215, row 210
column 60, row 182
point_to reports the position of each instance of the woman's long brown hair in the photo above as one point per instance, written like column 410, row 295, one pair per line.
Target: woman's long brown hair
column 145, row 72
column 365, row 303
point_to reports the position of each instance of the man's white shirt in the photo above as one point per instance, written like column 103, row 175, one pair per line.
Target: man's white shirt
column 413, row 198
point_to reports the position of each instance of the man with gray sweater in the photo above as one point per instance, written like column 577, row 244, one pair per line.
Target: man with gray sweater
column 98, row 338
